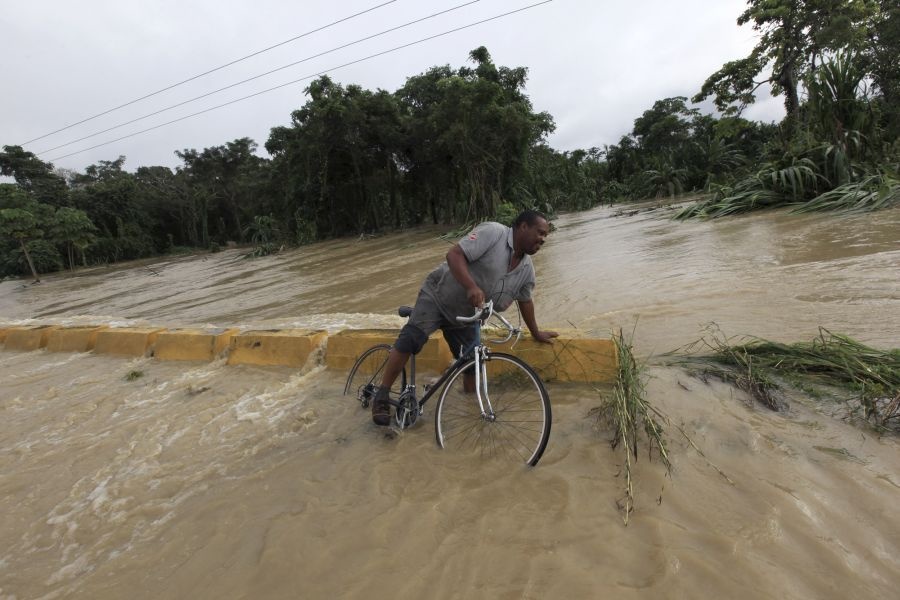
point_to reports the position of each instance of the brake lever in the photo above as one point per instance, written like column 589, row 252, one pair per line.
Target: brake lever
column 518, row 337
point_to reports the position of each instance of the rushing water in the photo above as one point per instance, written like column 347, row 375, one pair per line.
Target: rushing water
column 201, row 480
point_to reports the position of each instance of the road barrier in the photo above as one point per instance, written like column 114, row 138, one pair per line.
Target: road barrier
column 571, row 357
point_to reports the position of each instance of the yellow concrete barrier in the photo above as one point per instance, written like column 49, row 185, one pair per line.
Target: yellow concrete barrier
column 287, row 347
column 127, row 341
column 345, row 346
column 28, row 338
column 569, row 358
column 192, row 344
column 73, row 339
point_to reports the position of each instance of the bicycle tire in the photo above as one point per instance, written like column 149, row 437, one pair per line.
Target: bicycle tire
column 521, row 428
column 366, row 374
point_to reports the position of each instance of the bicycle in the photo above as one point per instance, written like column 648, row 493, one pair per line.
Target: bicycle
column 507, row 415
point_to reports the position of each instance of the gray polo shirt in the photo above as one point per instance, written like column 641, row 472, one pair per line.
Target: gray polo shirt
column 489, row 250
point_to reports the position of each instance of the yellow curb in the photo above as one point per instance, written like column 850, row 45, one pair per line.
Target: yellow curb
column 570, row 359
column 192, row 344
column 287, row 347
column 28, row 338
column 128, row 341
column 345, row 346
column 73, row 339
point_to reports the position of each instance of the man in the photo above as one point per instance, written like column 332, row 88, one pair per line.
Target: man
column 492, row 263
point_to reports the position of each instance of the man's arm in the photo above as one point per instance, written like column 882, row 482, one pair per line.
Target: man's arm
column 459, row 268
column 527, row 308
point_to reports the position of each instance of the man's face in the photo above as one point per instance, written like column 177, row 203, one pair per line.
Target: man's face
column 533, row 236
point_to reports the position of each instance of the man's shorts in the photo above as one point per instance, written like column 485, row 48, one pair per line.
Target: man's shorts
column 426, row 318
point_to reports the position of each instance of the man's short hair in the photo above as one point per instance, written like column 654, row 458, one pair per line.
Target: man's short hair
column 529, row 217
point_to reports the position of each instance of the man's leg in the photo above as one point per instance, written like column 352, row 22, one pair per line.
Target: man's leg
column 469, row 382
column 459, row 338
column 422, row 322
column 381, row 409
column 396, row 361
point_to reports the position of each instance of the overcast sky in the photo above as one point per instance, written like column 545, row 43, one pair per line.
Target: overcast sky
column 594, row 65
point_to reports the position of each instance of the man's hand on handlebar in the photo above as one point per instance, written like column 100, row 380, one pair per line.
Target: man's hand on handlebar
column 475, row 296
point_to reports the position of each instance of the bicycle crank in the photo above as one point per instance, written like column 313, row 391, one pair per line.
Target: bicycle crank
column 407, row 413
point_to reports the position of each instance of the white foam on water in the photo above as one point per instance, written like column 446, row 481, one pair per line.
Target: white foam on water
column 272, row 406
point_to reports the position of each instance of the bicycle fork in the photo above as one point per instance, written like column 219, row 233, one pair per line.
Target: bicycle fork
column 481, row 387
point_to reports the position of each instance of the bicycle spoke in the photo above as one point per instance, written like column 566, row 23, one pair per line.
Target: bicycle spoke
column 520, row 425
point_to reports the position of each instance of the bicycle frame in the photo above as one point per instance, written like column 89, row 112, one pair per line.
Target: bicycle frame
column 477, row 350
column 448, row 372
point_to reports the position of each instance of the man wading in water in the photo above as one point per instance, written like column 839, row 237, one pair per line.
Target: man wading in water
column 491, row 263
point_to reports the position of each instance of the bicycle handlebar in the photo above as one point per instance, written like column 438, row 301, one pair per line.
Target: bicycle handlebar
column 486, row 312
column 481, row 314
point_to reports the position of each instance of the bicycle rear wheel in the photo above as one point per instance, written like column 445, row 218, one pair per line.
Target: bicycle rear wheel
column 366, row 373
column 520, row 427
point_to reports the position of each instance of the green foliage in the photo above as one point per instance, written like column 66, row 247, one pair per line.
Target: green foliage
column 793, row 36
column 506, row 213
column 73, row 229
column 306, row 230
column 262, row 232
column 871, row 375
column 44, row 256
column 33, row 176
column 628, row 410
column 872, row 192
column 840, row 158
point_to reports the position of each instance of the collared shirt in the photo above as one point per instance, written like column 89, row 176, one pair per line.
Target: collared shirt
column 489, row 252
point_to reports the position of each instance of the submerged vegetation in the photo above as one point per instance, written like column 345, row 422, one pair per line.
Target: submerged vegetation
column 628, row 411
column 634, row 419
column 831, row 367
column 867, row 379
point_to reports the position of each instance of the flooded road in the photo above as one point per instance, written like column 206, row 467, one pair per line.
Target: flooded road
column 205, row 481
column 773, row 275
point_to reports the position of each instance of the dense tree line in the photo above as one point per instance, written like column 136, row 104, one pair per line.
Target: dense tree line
column 459, row 145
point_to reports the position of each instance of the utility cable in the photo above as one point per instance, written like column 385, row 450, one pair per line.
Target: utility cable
column 219, row 68
column 227, row 87
column 277, row 87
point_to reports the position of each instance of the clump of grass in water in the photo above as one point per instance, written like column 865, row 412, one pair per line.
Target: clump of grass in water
column 133, row 375
column 833, row 359
column 629, row 412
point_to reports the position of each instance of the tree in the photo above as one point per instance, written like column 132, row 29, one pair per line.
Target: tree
column 666, row 127
column 33, row 176
column 74, row 230
column 469, row 133
column 226, row 180
column 881, row 59
column 21, row 225
column 794, row 35
column 337, row 164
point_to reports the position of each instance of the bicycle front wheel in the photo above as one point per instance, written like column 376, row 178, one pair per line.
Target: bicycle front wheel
column 519, row 427
column 366, row 373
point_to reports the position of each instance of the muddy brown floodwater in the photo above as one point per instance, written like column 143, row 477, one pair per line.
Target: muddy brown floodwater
column 198, row 480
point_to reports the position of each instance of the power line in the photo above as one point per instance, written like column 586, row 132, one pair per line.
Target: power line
column 222, row 89
column 277, row 87
column 219, row 68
